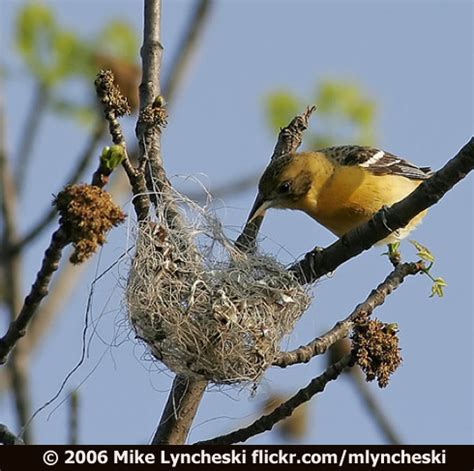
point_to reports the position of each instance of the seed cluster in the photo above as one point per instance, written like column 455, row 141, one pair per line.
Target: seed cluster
column 87, row 213
column 376, row 348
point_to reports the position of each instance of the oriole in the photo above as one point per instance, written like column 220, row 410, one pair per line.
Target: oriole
column 340, row 187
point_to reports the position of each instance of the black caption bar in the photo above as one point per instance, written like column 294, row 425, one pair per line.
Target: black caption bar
column 426, row 457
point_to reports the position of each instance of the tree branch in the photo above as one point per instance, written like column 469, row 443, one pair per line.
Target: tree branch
column 267, row 422
column 50, row 264
column 291, row 136
column 115, row 105
column 374, row 408
column 318, row 263
column 30, row 131
column 151, row 54
column 151, row 51
column 180, row 410
column 18, row 365
column 289, row 139
column 39, row 290
column 319, row 345
column 73, row 425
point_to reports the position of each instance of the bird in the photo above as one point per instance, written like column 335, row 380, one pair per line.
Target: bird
column 340, row 187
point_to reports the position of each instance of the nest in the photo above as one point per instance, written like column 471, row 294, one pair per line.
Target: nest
column 205, row 309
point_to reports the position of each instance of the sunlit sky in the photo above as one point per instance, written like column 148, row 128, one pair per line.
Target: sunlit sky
column 415, row 60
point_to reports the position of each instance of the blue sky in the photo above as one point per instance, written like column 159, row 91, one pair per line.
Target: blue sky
column 415, row 60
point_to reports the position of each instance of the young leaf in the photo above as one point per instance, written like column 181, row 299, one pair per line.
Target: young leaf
column 437, row 288
column 423, row 252
column 112, row 156
column 280, row 107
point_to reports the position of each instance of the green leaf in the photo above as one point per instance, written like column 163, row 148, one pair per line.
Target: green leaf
column 437, row 287
column 328, row 96
column 32, row 21
column 51, row 54
column 118, row 40
column 345, row 114
column 35, row 29
column 363, row 113
column 112, row 156
column 345, row 104
column 281, row 107
column 440, row 281
column 393, row 247
column 391, row 328
column 423, row 252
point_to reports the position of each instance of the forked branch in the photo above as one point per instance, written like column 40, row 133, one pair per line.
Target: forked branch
column 377, row 297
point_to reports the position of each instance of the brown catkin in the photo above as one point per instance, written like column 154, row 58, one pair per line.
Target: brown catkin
column 87, row 213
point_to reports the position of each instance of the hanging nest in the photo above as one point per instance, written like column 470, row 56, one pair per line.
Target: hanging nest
column 204, row 308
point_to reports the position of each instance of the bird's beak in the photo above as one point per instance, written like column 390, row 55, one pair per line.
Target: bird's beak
column 259, row 207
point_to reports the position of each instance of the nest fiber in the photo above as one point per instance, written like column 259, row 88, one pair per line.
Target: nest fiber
column 204, row 308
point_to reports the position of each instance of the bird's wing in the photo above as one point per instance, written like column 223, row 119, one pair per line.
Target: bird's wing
column 376, row 161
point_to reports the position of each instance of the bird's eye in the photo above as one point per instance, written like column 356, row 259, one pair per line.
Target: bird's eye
column 284, row 188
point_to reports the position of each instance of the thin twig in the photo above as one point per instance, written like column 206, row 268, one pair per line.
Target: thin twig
column 151, row 54
column 73, row 429
column 376, row 411
column 39, row 290
column 180, row 64
column 318, row 263
column 319, row 345
column 18, row 369
column 30, row 131
column 267, row 422
column 289, row 139
column 291, row 136
column 112, row 100
column 17, row 365
column 179, row 411
column 151, row 51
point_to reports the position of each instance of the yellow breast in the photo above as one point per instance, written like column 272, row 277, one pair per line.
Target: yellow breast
column 352, row 195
